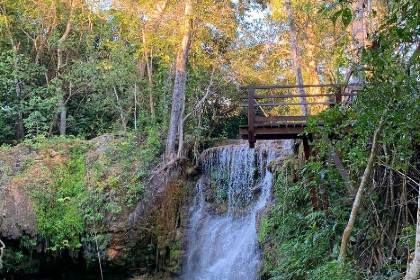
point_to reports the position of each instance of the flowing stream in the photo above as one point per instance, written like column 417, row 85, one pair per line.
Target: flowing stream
column 222, row 239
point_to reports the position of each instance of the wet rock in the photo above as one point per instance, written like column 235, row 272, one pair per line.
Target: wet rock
column 256, row 190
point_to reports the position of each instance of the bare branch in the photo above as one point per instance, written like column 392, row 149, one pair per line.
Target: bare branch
column 208, row 92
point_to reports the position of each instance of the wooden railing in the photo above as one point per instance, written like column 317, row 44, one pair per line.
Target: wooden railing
column 284, row 103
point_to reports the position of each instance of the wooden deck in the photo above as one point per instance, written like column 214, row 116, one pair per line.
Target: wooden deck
column 274, row 112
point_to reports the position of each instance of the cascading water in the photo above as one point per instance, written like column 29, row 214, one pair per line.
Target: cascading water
column 222, row 244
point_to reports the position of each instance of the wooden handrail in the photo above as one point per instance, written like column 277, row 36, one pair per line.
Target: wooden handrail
column 281, row 119
column 288, row 96
column 302, row 86
column 287, row 104
column 342, row 91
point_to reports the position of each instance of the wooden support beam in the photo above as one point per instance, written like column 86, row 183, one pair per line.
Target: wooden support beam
column 251, row 117
column 338, row 97
column 313, row 192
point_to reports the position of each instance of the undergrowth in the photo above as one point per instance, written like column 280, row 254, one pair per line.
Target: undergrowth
column 300, row 241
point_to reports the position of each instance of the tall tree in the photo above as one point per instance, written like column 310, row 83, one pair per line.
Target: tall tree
column 151, row 27
column 297, row 65
column 359, row 34
column 180, row 79
column 60, row 46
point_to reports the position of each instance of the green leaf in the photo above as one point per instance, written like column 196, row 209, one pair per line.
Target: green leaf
column 346, row 16
column 335, row 16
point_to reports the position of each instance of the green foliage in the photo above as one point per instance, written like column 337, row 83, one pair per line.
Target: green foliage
column 59, row 217
column 20, row 258
column 18, row 75
column 264, row 230
column 391, row 88
column 304, row 244
column 335, row 270
column 154, row 141
column 6, row 131
column 132, row 161
column 89, row 241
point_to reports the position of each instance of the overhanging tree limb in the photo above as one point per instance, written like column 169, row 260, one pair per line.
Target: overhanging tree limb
column 360, row 191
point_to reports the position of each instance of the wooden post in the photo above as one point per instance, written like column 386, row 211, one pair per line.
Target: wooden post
column 338, row 96
column 251, row 117
column 306, row 148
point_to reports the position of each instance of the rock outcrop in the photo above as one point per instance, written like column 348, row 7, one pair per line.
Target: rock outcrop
column 140, row 237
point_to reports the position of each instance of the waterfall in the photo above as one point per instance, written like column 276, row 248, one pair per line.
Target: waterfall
column 222, row 238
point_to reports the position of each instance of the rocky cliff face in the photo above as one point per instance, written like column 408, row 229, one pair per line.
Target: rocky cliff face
column 62, row 203
column 17, row 214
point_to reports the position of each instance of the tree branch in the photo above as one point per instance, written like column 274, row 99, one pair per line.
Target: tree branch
column 69, row 24
column 363, row 184
column 208, row 92
column 1, row 253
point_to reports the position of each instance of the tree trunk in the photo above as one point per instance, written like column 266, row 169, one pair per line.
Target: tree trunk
column 144, row 64
column 181, row 129
column 158, row 11
column 413, row 271
column 313, row 62
column 63, row 119
column 180, row 80
column 363, row 184
column 122, row 118
column 135, row 106
column 296, row 58
column 52, row 125
column 149, row 67
column 359, row 31
column 60, row 42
